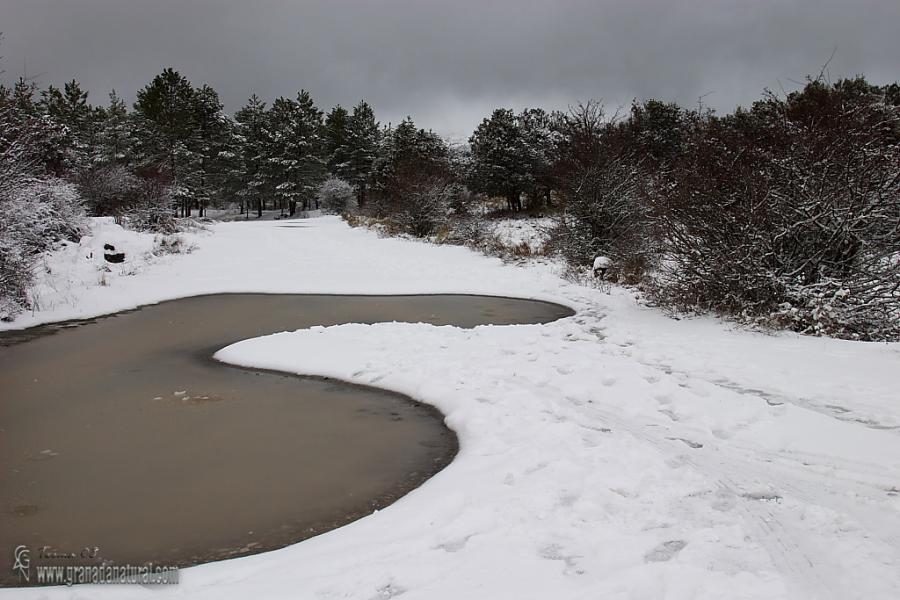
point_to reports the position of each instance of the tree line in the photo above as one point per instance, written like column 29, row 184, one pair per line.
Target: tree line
column 178, row 140
column 784, row 213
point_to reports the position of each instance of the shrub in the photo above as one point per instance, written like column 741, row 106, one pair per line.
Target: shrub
column 788, row 214
column 34, row 214
column 606, row 212
column 423, row 206
column 153, row 210
column 109, row 190
column 336, row 196
column 170, row 244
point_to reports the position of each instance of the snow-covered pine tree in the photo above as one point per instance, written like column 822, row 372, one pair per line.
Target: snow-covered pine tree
column 337, row 147
column 166, row 115
column 501, row 158
column 116, row 133
column 209, row 138
column 540, row 136
column 254, row 141
column 411, row 178
column 363, row 141
column 298, row 152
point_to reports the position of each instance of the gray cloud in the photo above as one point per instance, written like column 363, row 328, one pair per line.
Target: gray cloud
column 449, row 63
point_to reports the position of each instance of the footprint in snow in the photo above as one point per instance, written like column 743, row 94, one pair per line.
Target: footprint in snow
column 764, row 496
column 567, row 499
column 390, row 590
column 454, row 545
column 665, row 551
column 554, row 552
column 669, row 413
column 663, row 398
column 535, row 468
column 690, row 443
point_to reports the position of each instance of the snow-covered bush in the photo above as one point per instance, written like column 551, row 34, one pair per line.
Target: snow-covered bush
column 840, row 309
column 336, row 196
column 170, row 244
column 462, row 200
column 467, row 231
column 423, row 207
column 44, row 211
column 785, row 214
column 34, row 214
column 606, row 213
column 16, row 264
column 789, row 214
column 109, row 190
column 153, row 210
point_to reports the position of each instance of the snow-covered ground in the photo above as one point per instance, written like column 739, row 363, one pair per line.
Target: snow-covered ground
column 531, row 231
column 65, row 276
column 613, row 454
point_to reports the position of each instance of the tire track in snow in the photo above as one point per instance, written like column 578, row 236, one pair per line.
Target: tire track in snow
column 807, row 570
column 787, row 557
column 773, row 398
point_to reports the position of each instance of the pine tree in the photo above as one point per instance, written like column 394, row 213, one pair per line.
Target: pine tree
column 166, row 116
column 229, row 161
column 254, row 140
column 540, row 134
column 408, row 156
column 337, row 147
column 115, row 136
column 81, row 123
column 312, row 169
column 47, row 139
column 209, row 139
column 501, row 158
column 297, row 160
column 362, row 140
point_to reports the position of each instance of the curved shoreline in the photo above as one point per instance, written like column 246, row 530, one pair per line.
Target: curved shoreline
column 9, row 328
column 421, row 420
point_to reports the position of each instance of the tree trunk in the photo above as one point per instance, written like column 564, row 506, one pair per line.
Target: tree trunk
column 516, row 200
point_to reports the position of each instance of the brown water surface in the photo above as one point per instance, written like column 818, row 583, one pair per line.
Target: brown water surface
column 122, row 433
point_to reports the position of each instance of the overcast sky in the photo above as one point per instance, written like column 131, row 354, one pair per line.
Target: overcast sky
column 449, row 63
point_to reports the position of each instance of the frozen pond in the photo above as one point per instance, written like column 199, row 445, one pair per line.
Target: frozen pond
column 122, row 433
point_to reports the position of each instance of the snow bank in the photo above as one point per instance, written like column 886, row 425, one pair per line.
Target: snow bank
column 69, row 274
column 613, row 454
column 319, row 255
